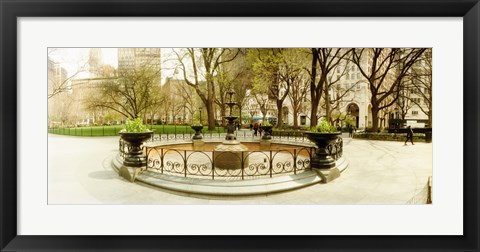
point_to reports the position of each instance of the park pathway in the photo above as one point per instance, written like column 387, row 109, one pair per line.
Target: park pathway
column 380, row 172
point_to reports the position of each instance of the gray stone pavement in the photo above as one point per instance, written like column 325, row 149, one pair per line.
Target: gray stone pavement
column 380, row 172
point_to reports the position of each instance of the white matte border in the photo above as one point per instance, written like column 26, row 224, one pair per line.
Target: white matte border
column 444, row 217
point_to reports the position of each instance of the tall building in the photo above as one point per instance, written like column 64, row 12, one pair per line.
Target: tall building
column 57, row 77
column 59, row 90
column 95, row 60
column 349, row 95
column 414, row 107
column 135, row 58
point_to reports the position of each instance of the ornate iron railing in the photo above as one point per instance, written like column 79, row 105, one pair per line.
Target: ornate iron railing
column 123, row 148
column 335, row 150
column 250, row 164
column 241, row 135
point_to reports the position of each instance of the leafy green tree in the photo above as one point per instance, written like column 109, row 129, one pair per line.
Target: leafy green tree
column 293, row 74
column 130, row 94
column 270, row 78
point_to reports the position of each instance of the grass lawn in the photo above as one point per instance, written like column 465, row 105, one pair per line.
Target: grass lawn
column 113, row 130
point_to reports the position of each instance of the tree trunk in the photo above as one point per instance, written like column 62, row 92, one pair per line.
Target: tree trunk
column 240, row 116
column 279, row 114
column 374, row 119
column 313, row 113
column 223, row 113
column 327, row 106
column 210, row 115
column 295, row 119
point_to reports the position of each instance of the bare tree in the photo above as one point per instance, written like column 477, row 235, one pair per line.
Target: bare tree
column 339, row 93
column 186, row 93
column 243, row 79
column 384, row 70
column 420, row 77
column 262, row 100
column 61, row 110
column 59, row 80
column 204, row 63
column 403, row 103
column 323, row 61
column 224, row 83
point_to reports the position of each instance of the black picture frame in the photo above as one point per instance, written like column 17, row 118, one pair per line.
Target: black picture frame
column 10, row 10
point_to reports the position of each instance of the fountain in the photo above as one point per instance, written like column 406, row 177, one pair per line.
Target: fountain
column 228, row 154
column 279, row 166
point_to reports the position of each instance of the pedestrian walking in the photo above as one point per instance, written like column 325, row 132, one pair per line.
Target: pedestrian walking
column 260, row 129
column 255, row 129
column 350, row 131
column 251, row 127
column 409, row 135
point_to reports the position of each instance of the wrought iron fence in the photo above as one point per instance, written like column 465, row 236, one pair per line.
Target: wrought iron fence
column 183, row 133
column 250, row 164
column 424, row 195
column 335, row 150
column 241, row 135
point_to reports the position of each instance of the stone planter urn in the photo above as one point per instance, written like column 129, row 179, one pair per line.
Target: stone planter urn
column 268, row 131
column 135, row 156
column 198, row 130
column 322, row 159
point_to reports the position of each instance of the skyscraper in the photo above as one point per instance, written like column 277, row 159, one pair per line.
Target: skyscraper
column 95, row 60
column 132, row 58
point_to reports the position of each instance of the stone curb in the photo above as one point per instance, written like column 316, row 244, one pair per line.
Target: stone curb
column 229, row 188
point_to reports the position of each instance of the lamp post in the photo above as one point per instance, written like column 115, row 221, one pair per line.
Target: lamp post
column 200, row 110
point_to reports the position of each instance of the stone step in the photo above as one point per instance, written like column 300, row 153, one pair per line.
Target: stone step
column 225, row 187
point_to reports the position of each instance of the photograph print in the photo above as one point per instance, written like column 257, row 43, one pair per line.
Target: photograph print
column 241, row 126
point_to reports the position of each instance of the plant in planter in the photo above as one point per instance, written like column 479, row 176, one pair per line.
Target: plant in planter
column 323, row 135
column 197, row 126
column 267, row 128
column 135, row 133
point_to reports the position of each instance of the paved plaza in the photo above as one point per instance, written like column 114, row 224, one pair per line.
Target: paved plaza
column 380, row 172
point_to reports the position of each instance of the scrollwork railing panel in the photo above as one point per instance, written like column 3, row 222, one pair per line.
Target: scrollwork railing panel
column 248, row 164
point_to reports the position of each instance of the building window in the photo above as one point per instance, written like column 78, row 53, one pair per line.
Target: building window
column 303, row 120
column 414, row 112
